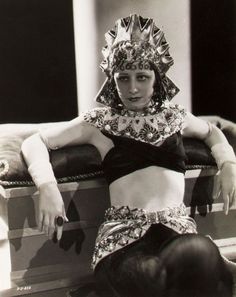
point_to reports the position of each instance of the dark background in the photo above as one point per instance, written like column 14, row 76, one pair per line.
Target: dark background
column 37, row 60
column 213, row 35
column 37, row 68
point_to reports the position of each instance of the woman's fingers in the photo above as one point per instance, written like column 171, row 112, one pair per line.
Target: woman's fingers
column 232, row 199
column 64, row 215
column 59, row 227
column 226, row 202
column 40, row 221
column 46, row 224
column 51, row 207
column 59, row 230
column 216, row 188
column 51, row 227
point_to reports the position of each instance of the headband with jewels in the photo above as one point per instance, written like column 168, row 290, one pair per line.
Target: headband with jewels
column 135, row 39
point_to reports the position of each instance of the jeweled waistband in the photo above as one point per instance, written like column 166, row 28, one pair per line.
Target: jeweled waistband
column 115, row 213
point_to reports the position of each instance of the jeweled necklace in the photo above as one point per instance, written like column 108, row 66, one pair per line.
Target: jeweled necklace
column 151, row 109
column 151, row 125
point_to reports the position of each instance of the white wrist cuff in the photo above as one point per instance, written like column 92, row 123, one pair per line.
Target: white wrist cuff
column 41, row 173
column 223, row 152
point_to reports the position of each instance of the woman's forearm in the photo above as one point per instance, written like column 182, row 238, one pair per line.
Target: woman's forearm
column 36, row 156
column 224, row 156
column 221, row 150
column 51, row 205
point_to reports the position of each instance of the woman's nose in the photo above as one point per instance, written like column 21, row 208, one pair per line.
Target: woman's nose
column 133, row 87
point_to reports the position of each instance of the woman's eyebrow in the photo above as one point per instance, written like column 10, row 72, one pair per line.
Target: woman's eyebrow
column 123, row 74
column 142, row 73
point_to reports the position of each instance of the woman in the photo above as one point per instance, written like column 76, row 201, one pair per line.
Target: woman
column 147, row 246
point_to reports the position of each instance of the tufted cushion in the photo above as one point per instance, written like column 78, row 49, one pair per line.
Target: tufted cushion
column 82, row 161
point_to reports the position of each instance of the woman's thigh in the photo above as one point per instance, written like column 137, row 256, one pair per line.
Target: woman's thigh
column 194, row 265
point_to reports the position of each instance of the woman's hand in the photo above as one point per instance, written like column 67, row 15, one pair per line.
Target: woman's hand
column 227, row 185
column 51, row 206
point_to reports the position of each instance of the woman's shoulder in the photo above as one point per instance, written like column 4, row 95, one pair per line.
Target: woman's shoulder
column 173, row 108
column 95, row 116
column 173, row 114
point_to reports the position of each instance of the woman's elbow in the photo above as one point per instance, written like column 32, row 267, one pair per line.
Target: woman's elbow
column 33, row 147
column 215, row 136
column 29, row 142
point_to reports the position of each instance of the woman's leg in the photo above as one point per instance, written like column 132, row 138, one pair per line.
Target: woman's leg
column 194, row 267
column 133, row 275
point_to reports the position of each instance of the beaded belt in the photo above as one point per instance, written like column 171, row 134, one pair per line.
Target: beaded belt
column 115, row 213
column 124, row 225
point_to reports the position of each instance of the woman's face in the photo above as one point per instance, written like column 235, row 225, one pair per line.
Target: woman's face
column 134, row 86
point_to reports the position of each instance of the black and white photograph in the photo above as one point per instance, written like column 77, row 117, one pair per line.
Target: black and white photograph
column 117, row 148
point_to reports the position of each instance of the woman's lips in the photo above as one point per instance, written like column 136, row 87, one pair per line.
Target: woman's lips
column 134, row 99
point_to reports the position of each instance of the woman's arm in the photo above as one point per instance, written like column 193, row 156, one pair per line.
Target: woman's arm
column 35, row 152
column 197, row 128
column 221, row 151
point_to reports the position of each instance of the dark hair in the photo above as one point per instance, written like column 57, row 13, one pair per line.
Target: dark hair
column 159, row 94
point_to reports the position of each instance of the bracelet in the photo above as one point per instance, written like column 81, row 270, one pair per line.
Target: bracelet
column 222, row 153
column 41, row 173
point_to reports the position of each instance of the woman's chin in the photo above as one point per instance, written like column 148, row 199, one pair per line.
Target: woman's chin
column 136, row 107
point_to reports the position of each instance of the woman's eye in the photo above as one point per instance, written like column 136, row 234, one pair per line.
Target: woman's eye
column 142, row 77
column 123, row 78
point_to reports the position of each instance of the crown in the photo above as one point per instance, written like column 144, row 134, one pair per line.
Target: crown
column 135, row 31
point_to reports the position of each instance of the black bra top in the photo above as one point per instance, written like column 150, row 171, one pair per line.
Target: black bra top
column 129, row 155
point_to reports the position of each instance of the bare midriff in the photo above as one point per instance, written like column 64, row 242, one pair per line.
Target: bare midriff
column 152, row 188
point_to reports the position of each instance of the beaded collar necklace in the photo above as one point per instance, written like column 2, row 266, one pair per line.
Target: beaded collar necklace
column 151, row 125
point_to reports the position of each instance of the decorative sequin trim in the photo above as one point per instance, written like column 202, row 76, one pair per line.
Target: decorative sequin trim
column 124, row 225
column 150, row 128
